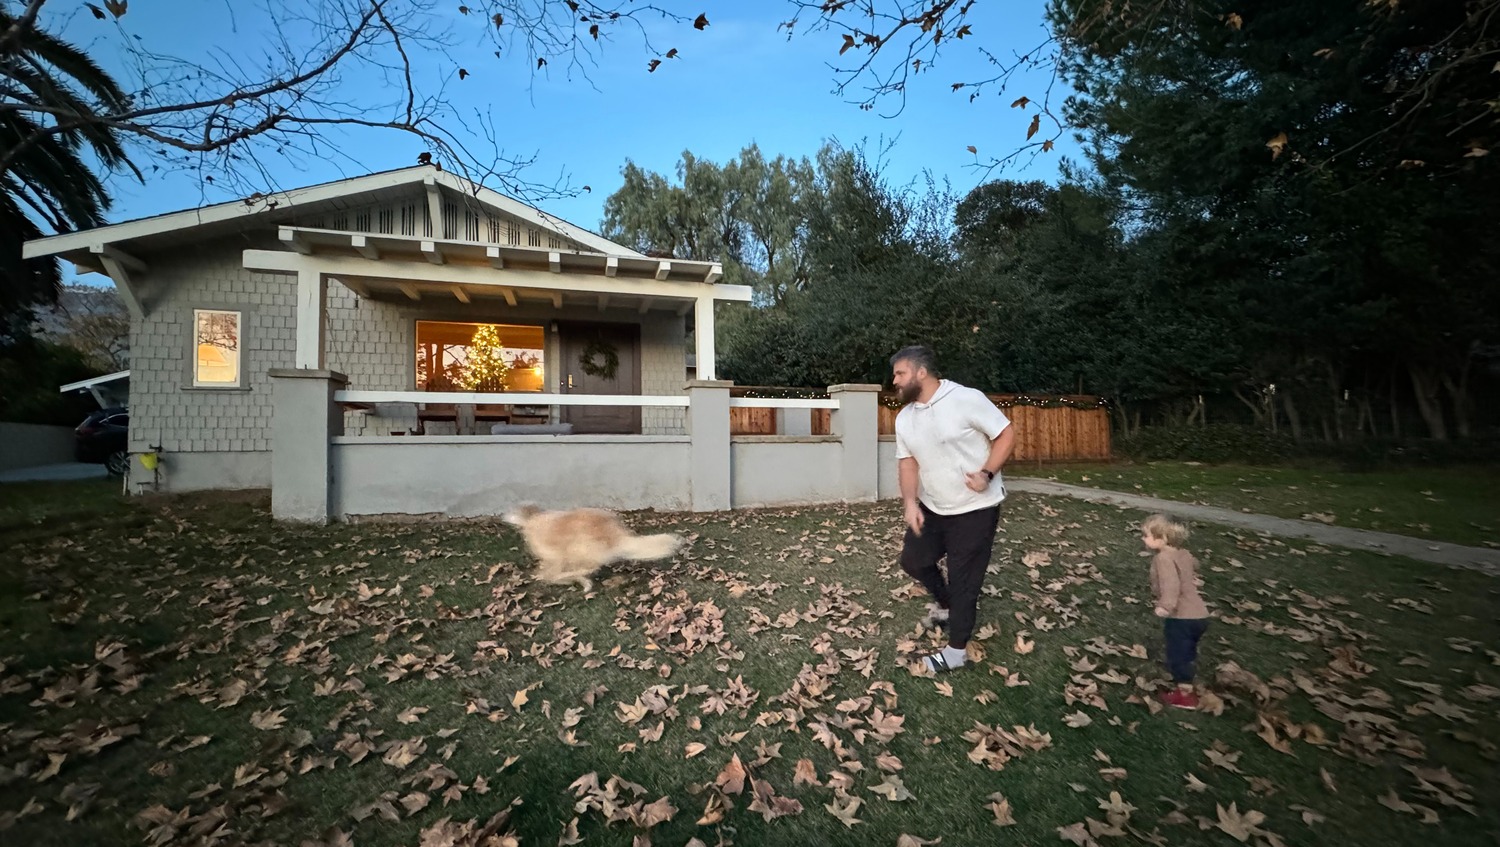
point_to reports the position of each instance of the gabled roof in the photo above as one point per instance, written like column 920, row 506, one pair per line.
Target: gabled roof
column 289, row 206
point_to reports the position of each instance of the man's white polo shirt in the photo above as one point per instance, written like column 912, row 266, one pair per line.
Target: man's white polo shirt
column 950, row 437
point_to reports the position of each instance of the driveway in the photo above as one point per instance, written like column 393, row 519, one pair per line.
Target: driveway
column 67, row 472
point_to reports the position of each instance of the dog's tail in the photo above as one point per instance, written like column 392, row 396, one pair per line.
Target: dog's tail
column 645, row 548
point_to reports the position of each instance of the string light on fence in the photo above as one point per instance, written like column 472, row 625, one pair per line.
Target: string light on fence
column 891, row 401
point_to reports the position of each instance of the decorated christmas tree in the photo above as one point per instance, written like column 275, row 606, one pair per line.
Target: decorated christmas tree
column 485, row 369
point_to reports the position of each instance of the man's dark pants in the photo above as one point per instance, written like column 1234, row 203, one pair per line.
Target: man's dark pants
column 967, row 540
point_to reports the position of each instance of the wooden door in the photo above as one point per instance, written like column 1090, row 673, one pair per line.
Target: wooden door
column 625, row 339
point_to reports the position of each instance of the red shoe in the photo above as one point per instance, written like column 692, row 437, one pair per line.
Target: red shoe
column 1179, row 699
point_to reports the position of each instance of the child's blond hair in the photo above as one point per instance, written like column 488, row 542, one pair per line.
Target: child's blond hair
column 1167, row 528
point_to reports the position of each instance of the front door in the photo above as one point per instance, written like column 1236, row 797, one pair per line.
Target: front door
column 593, row 343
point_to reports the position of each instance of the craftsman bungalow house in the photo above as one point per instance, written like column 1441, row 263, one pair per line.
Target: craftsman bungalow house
column 410, row 342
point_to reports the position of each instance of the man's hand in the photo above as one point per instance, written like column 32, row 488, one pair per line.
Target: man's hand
column 1162, row 613
column 914, row 517
column 978, row 481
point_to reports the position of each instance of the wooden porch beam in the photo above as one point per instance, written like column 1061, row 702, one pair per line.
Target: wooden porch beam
column 612, row 266
column 714, row 274
column 117, row 267
column 431, row 251
column 646, row 305
column 603, row 302
column 461, row 294
column 496, row 260
column 293, row 239
column 663, row 269
column 477, row 277
column 357, row 287
column 557, row 299
column 410, row 291
column 554, row 262
column 124, row 259
column 510, row 296
column 363, row 246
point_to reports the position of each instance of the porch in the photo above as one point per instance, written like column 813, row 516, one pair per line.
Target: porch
column 320, row 473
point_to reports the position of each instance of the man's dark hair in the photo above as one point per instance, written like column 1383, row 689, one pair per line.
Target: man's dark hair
column 918, row 356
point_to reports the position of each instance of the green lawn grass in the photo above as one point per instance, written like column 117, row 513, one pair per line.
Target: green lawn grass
column 144, row 640
column 1459, row 505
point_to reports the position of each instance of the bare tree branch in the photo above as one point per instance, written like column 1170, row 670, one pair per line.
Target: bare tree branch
column 281, row 95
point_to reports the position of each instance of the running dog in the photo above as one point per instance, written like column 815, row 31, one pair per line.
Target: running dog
column 571, row 545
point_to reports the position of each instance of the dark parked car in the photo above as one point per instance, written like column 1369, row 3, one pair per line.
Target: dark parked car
column 101, row 438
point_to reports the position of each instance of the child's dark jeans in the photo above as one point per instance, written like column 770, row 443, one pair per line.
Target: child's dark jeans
column 1182, row 636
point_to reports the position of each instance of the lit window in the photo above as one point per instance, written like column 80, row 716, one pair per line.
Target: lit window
column 479, row 357
column 216, row 363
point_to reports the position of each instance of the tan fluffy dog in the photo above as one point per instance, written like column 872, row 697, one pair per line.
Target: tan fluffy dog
column 571, row 545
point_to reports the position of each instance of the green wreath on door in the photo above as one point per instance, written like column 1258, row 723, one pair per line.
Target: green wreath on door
column 599, row 358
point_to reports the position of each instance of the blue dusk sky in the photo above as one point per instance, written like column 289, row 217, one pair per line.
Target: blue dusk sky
column 738, row 81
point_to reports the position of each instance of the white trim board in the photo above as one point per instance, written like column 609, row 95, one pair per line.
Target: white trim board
column 422, row 175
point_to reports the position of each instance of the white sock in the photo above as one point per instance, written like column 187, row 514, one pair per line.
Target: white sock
column 936, row 612
column 954, row 656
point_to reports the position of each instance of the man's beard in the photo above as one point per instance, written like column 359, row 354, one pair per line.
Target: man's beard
column 910, row 392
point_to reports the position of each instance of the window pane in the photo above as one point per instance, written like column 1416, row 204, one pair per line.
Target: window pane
column 218, row 353
column 479, row 357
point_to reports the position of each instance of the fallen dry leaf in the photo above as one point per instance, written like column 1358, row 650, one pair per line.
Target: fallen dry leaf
column 1077, row 720
column 806, row 774
column 1238, row 826
column 268, row 719
column 1001, row 809
column 1077, row 834
column 892, row 789
column 569, row 835
column 844, row 808
column 731, row 780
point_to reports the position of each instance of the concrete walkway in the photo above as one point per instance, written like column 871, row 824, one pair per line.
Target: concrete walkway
column 1438, row 552
column 68, row 472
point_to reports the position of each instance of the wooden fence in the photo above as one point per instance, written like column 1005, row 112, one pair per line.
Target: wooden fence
column 1044, row 433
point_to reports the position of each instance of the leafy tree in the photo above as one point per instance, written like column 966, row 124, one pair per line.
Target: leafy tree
column 1262, row 148
column 747, row 213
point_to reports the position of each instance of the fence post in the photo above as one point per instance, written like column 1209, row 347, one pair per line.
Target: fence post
column 304, row 421
column 708, row 426
column 857, row 424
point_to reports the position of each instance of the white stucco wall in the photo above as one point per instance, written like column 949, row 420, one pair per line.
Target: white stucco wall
column 485, row 475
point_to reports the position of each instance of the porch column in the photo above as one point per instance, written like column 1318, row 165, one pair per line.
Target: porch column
column 857, row 424
column 312, row 313
column 303, row 423
column 708, row 426
column 703, row 334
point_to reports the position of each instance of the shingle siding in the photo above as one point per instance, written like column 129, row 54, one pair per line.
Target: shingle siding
column 373, row 342
column 165, row 408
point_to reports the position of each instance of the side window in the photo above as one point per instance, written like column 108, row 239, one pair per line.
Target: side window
column 216, row 349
